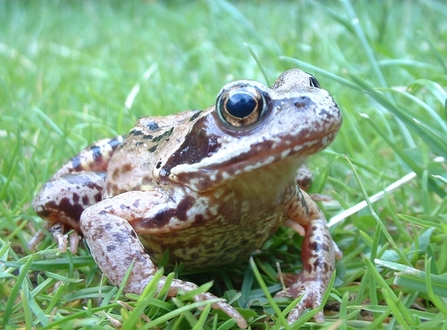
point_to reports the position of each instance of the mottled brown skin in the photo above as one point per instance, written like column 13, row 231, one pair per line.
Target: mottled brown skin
column 211, row 186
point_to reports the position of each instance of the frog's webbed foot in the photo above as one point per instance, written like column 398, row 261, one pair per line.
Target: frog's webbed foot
column 38, row 236
column 63, row 240
column 312, row 293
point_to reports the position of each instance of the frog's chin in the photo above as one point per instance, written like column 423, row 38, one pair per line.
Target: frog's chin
column 221, row 167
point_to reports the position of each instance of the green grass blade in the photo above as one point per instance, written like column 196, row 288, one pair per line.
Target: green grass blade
column 402, row 315
column 13, row 296
column 419, row 170
column 416, row 280
column 269, row 297
column 357, row 27
column 436, row 142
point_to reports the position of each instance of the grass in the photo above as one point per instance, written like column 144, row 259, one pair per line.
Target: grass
column 72, row 72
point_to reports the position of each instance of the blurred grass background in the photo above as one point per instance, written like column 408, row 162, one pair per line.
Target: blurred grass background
column 72, row 72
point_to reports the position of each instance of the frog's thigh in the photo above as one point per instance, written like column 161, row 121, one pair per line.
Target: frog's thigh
column 64, row 199
column 114, row 243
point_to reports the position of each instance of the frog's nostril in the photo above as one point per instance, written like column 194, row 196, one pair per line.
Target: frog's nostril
column 302, row 101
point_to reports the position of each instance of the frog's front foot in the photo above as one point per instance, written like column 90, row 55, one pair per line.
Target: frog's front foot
column 311, row 291
column 177, row 286
column 223, row 306
column 318, row 252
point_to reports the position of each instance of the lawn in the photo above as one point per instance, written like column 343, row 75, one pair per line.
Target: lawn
column 72, row 72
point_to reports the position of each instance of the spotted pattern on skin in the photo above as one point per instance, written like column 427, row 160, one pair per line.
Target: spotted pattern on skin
column 94, row 158
column 64, row 199
column 217, row 240
column 150, row 139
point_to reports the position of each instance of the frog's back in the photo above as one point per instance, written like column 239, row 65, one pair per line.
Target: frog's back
column 136, row 162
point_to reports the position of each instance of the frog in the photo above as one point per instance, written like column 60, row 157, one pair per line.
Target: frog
column 205, row 187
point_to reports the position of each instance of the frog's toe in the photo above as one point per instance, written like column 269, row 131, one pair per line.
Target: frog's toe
column 224, row 307
column 177, row 285
column 73, row 239
column 296, row 312
column 233, row 313
column 59, row 236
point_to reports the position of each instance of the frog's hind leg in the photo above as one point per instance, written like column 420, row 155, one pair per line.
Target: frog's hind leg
column 76, row 186
column 94, row 158
column 64, row 199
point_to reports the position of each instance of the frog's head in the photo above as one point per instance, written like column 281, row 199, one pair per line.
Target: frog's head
column 252, row 127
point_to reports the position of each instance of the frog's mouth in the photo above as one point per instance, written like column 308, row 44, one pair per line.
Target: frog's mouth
column 226, row 164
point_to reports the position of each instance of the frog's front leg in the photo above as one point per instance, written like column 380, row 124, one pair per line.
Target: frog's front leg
column 318, row 253
column 114, row 243
column 76, row 186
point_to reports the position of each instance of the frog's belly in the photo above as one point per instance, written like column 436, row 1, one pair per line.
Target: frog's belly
column 212, row 244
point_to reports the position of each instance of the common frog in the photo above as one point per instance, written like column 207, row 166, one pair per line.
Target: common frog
column 210, row 186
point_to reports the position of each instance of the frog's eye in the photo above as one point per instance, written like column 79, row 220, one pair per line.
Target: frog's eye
column 313, row 81
column 240, row 106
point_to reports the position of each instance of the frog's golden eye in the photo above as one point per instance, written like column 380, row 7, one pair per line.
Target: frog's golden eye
column 240, row 106
column 313, row 81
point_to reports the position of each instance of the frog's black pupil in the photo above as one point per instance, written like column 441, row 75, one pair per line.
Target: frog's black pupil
column 314, row 82
column 240, row 104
